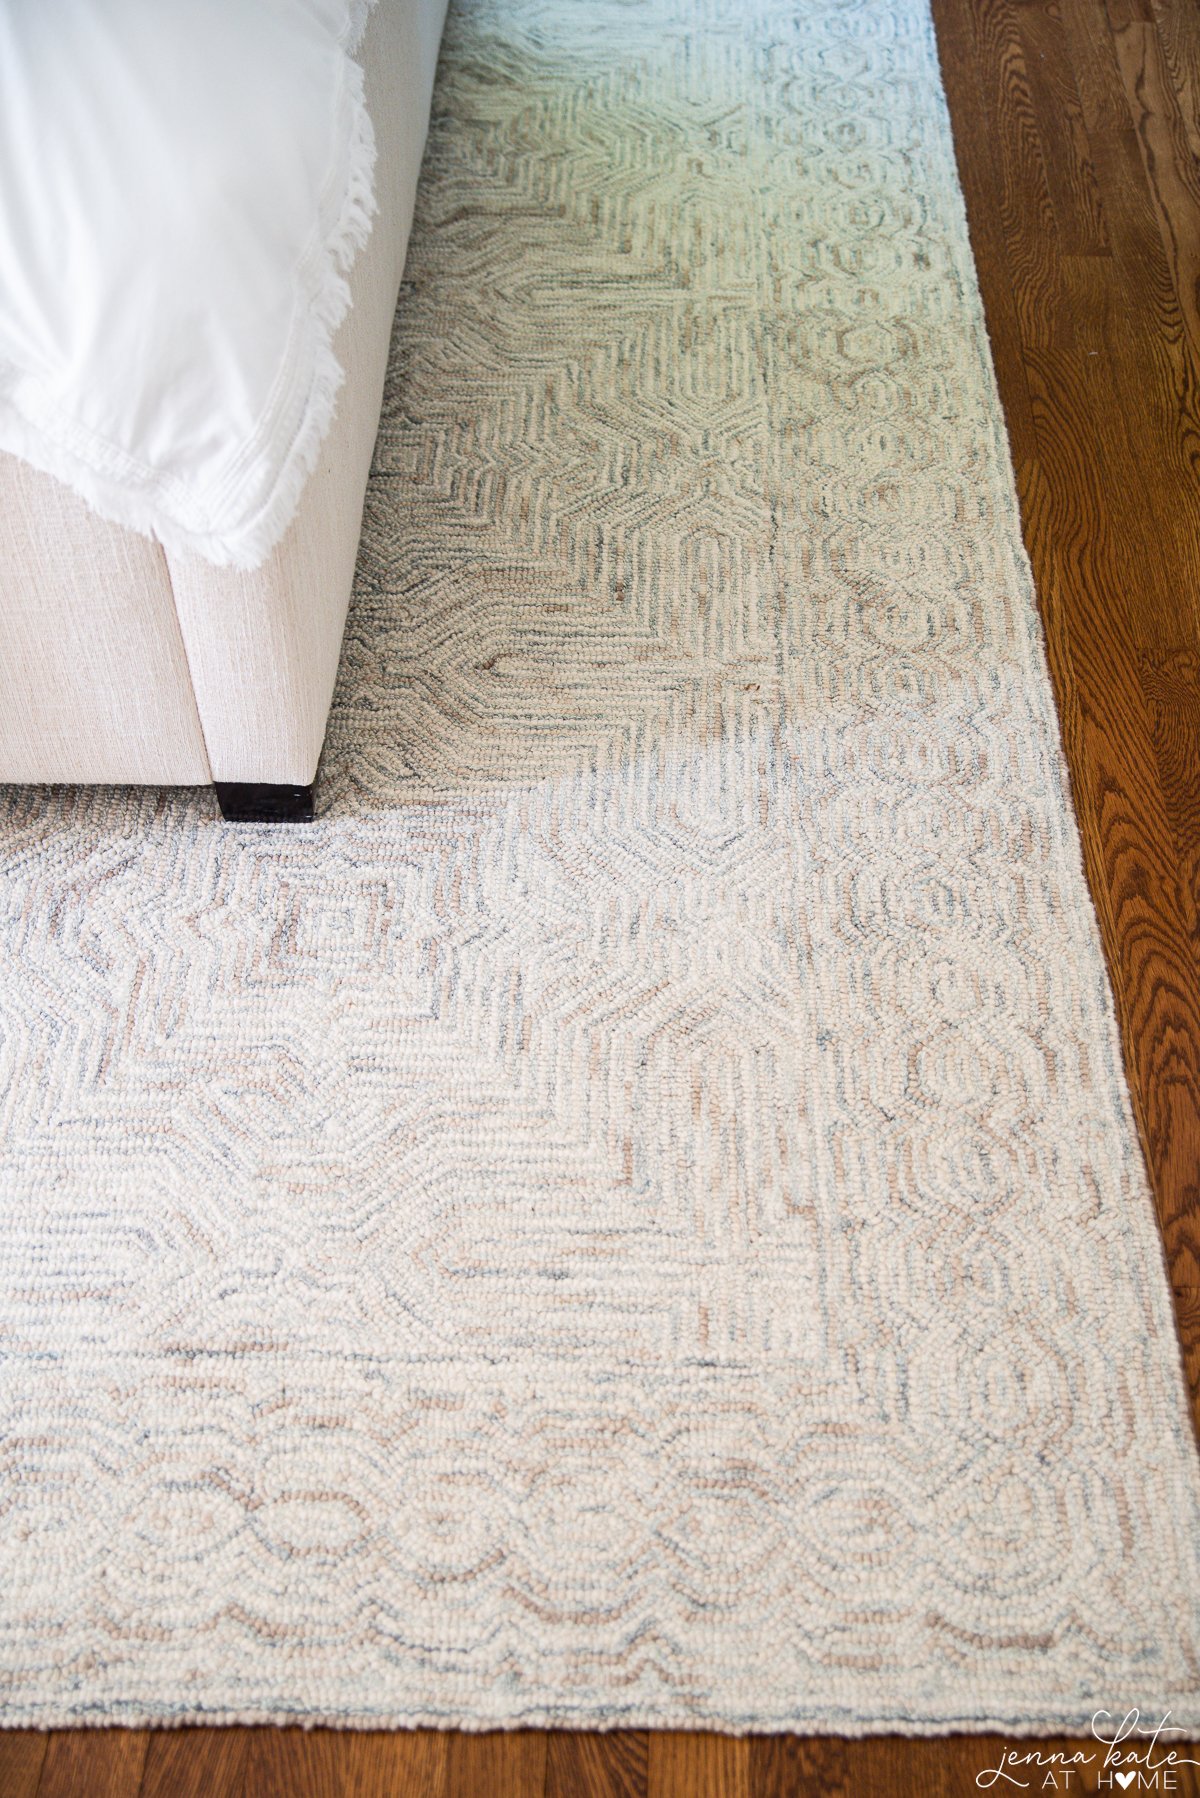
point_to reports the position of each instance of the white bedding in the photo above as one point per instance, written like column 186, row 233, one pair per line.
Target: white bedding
column 183, row 187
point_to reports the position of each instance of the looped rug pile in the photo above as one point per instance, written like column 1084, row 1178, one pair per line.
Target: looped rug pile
column 635, row 1216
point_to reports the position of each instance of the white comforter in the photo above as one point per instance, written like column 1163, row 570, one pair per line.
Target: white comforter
column 183, row 186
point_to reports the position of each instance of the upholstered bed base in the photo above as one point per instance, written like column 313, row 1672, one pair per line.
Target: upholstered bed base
column 121, row 662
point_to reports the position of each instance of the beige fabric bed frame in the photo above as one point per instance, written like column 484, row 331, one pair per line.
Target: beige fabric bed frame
column 123, row 662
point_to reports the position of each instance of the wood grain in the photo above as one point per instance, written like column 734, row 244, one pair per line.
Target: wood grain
column 280, row 1763
column 606, row 1764
column 509, row 1761
column 93, row 1763
column 702, row 1766
column 195, row 1763
column 22, row 1752
column 396, row 1764
column 1077, row 132
column 789, row 1767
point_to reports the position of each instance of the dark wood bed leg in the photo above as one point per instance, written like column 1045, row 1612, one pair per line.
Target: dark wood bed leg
column 253, row 802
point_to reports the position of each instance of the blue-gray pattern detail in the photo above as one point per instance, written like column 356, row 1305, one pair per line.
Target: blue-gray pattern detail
column 635, row 1216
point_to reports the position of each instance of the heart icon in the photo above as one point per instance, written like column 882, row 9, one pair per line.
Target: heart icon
column 1125, row 1780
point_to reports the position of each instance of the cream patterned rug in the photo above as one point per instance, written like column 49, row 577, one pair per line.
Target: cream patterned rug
column 635, row 1217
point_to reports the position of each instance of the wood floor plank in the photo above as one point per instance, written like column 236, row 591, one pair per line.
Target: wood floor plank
column 606, row 1764
column 1088, row 45
column 1178, row 25
column 1171, row 682
column 978, row 173
column 1171, row 170
column 791, row 1767
column 940, row 1767
column 196, row 1763
column 22, row 1752
column 1063, row 140
column 810, row 1767
column 294, row 1763
column 508, row 1761
column 1029, row 237
column 1153, row 341
column 93, row 1763
column 698, row 1765
column 395, row 1764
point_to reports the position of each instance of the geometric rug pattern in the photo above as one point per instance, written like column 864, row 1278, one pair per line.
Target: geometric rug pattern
column 634, row 1216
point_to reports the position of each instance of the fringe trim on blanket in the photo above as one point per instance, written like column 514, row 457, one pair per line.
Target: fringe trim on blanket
column 141, row 499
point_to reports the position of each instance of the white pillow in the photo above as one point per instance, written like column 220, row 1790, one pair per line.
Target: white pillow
column 183, row 186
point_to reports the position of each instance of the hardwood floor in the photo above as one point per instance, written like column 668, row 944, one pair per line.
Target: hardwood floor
column 1077, row 126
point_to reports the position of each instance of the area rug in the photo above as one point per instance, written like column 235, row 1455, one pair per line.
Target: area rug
column 635, row 1216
